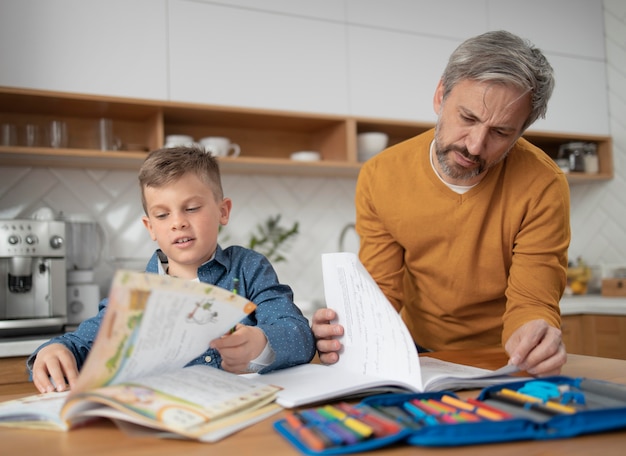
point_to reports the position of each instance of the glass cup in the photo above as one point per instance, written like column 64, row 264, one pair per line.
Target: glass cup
column 106, row 138
column 58, row 134
column 31, row 136
column 8, row 135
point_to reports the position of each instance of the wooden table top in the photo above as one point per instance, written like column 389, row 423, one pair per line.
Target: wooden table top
column 103, row 438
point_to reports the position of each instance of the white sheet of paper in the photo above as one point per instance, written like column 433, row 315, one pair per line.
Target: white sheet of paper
column 376, row 341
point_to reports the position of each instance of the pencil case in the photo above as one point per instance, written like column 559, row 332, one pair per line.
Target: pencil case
column 546, row 408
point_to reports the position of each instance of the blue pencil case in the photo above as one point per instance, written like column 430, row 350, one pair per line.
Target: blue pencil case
column 546, row 408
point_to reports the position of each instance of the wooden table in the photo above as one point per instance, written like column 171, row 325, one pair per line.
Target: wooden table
column 103, row 438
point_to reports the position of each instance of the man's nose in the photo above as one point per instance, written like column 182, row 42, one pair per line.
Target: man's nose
column 476, row 140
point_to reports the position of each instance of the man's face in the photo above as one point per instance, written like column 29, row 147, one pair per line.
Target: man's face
column 478, row 124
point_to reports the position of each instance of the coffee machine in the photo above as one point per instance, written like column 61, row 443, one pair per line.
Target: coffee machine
column 32, row 277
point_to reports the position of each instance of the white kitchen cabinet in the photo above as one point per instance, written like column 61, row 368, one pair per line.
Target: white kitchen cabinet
column 243, row 57
column 455, row 19
column 394, row 75
column 580, row 99
column 114, row 48
column 565, row 27
column 332, row 10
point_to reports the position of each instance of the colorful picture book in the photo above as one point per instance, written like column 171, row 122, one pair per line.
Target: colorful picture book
column 136, row 373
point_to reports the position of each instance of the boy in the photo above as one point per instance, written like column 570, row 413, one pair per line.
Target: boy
column 184, row 206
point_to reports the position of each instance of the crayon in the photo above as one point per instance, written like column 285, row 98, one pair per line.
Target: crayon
column 398, row 414
column 532, row 403
column 381, row 426
column 326, row 422
column 437, row 405
column 305, row 435
column 458, row 403
column 419, row 413
column 351, row 423
column 488, row 412
column 347, row 436
column 603, row 388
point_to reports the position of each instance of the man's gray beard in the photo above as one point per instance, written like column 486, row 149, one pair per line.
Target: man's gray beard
column 457, row 173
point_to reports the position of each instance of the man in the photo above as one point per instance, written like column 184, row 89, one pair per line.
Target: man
column 465, row 228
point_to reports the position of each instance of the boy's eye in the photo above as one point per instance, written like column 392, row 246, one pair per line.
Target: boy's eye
column 192, row 209
column 160, row 216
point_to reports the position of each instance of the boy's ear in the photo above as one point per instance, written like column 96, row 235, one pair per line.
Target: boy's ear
column 225, row 206
column 148, row 225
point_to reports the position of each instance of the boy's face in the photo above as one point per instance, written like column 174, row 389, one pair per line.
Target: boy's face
column 184, row 219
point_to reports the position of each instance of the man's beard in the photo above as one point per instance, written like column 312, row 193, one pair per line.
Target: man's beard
column 452, row 169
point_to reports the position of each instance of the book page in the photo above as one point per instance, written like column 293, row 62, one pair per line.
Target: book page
column 438, row 375
column 181, row 401
column 39, row 411
column 376, row 341
column 156, row 323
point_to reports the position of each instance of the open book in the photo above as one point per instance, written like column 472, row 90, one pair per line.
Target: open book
column 378, row 353
column 135, row 373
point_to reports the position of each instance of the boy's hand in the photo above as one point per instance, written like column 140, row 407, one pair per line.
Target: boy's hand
column 240, row 347
column 54, row 362
column 325, row 335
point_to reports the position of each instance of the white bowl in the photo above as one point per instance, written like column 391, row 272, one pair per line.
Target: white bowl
column 306, row 155
column 370, row 143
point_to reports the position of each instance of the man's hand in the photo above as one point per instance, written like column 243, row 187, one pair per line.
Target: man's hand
column 537, row 348
column 55, row 362
column 325, row 334
column 240, row 347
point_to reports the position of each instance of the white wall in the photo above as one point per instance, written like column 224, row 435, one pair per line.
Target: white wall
column 378, row 58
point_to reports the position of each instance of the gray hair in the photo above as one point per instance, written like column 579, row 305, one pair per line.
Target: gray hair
column 503, row 58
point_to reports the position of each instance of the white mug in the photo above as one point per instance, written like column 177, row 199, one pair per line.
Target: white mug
column 219, row 146
column 178, row 140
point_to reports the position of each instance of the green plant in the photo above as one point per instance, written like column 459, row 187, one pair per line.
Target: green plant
column 272, row 239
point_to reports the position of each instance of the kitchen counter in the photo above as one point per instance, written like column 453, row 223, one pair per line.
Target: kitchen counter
column 593, row 304
column 570, row 305
column 21, row 346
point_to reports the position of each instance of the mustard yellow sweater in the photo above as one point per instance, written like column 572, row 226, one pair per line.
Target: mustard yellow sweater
column 465, row 270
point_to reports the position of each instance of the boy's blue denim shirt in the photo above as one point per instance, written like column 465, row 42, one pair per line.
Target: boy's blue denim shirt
column 287, row 330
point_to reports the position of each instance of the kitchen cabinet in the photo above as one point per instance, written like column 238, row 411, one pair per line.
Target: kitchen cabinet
column 117, row 47
column 247, row 57
column 595, row 335
column 13, row 370
column 267, row 137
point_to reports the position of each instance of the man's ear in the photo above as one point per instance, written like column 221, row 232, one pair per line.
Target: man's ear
column 438, row 98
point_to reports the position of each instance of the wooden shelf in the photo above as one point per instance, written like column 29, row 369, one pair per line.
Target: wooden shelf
column 83, row 158
column 266, row 138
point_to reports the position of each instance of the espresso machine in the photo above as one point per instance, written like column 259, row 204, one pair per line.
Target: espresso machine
column 32, row 277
